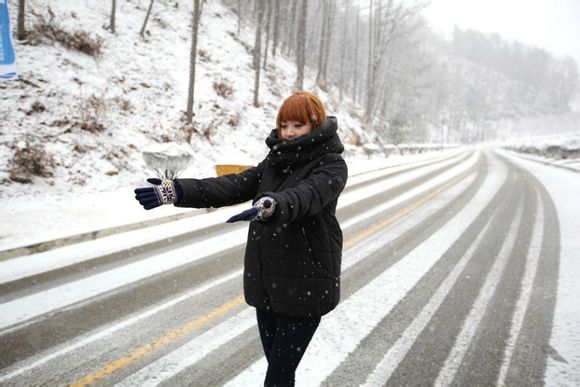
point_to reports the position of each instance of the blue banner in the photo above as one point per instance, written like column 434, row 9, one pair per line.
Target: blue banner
column 7, row 57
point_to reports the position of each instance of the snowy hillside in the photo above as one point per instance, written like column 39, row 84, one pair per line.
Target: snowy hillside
column 87, row 119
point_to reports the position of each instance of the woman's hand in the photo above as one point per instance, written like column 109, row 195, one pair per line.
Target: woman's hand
column 162, row 192
column 261, row 210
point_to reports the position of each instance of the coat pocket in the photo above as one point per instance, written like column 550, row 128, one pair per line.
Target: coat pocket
column 312, row 255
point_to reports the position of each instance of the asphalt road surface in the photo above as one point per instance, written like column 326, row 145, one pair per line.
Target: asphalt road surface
column 450, row 275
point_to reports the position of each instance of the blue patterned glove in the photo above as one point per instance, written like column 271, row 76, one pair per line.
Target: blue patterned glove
column 162, row 192
column 261, row 210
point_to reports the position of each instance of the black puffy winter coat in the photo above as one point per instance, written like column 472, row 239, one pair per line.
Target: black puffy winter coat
column 292, row 260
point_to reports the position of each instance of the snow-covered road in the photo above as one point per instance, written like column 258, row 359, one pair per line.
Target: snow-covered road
column 457, row 269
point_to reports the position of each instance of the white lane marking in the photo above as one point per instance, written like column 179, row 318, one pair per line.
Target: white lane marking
column 384, row 369
column 19, row 310
column 473, row 319
column 525, row 290
column 370, row 190
column 388, row 170
column 186, row 356
column 363, row 249
column 193, row 351
column 53, row 353
column 563, row 188
column 342, row 330
column 254, row 374
column 68, row 347
column 416, row 191
column 34, row 305
column 29, row 265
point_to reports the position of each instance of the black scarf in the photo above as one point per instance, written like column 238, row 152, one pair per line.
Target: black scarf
column 286, row 155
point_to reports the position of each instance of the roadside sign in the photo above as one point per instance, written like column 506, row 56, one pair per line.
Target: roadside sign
column 7, row 58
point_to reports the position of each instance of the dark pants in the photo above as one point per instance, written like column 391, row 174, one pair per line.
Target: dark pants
column 284, row 339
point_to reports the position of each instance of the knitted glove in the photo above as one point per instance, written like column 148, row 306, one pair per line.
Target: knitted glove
column 162, row 192
column 262, row 209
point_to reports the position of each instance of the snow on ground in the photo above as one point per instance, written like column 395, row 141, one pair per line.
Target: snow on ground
column 137, row 89
column 37, row 218
column 562, row 149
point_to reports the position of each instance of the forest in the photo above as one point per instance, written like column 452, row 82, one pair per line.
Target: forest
column 411, row 83
column 97, row 91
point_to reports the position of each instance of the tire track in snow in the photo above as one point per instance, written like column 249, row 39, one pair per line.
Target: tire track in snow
column 342, row 330
column 158, row 366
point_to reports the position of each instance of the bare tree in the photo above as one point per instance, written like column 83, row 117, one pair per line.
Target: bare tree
column 343, row 50
column 21, row 28
column 328, row 39
column 276, row 27
column 113, row 15
column 323, row 42
column 391, row 67
column 239, row 16
column 290, row 26
column 192, row 61
column 268, row 17
column 301, row 45
column 257, row 50
column 369, row 64
column 142, row 32
column 355, row 64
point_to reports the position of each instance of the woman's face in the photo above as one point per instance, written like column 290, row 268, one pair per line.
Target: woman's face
column 293, row 129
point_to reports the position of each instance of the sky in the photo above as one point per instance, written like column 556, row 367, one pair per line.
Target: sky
column 553, row 25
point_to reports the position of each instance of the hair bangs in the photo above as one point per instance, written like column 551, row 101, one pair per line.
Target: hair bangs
column 292, row 110
column 302, row 107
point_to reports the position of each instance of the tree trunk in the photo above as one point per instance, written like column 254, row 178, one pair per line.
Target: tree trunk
column 291, row 27
column 192, row 61
column 369, row 68
column 328, row 39
column 257, row 51
column 21, row 28
column 239, row 16
column 343, row 49
column 313, row 35
column 142, row 32
column 356, row 39
column 276, row 27
column 323, row 34
column 268, row 17
column 113, row 15
column 301, row 45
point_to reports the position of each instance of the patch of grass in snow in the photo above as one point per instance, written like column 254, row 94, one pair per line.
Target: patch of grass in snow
column 47, row 30
column 30, row 160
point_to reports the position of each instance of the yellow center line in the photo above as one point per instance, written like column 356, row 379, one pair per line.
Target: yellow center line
column 403, row 212
column 168, row 338
column 145, row 350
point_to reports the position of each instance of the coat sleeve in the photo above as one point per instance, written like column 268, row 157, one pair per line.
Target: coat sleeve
column 322, row 186
column 218, row 191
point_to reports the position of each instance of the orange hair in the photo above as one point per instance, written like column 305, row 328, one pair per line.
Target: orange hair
column 302, row 106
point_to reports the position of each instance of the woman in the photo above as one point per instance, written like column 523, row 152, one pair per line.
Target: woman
column 294, row 248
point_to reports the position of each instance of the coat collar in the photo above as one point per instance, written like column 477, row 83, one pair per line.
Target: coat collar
column 286, row 155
